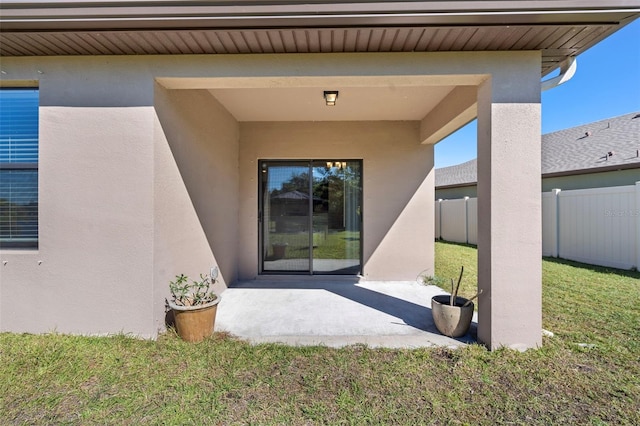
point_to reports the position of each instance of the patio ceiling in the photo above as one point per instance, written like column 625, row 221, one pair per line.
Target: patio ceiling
column 353, row 104
column 361, row 98
column 560, row 29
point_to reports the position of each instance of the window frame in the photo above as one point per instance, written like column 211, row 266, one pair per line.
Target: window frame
column 25, row 166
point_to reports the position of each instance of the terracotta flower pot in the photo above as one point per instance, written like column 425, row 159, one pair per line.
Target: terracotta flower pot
column 452, row 321
column 279, row 251
column 195, row 323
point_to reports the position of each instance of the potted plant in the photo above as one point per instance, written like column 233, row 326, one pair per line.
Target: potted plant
column 452, row 314
column 194, row 306
column 279, row 250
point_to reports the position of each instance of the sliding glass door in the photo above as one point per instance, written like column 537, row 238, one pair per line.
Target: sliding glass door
column 286, row 197
column 311, row 216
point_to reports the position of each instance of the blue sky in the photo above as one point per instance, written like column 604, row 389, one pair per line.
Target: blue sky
column 606, row 84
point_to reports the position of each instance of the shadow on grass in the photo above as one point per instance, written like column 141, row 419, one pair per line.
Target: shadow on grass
column 451, row 243
column 593, row 268
column 560, row 261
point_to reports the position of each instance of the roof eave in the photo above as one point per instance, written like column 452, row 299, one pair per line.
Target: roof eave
column 86, row 15
column 456, row 185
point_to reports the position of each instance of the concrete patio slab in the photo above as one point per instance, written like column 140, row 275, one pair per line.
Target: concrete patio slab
column 334, row 312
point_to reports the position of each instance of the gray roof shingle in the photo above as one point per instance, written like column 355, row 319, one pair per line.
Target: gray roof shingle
column 578, row 148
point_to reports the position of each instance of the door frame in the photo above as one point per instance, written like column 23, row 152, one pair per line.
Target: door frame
column 260, row 215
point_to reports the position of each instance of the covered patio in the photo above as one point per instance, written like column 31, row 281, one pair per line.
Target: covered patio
column 334, row 312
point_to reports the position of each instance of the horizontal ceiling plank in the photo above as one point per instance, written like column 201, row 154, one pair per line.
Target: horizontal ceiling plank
column 303, row 41
column 61, row 15
column 557, row 42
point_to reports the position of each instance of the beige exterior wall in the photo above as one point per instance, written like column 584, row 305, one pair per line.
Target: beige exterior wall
column 136, row 184
column 195, row 190
column 397, row 187
column 92, row 272
column 144, row 175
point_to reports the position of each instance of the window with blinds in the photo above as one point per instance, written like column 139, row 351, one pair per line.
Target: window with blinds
column 19, row 167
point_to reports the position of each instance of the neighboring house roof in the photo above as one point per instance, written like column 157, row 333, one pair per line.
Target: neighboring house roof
column 578, row 150
column 460, row 174
column 559, row 29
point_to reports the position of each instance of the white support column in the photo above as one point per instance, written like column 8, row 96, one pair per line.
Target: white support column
column 509, row 211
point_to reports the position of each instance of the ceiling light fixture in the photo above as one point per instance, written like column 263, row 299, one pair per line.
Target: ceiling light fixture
column 330, row 97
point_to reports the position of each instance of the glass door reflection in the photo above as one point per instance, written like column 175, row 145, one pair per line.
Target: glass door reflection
column 286, row 217
column 311, row 217
column 336, row 217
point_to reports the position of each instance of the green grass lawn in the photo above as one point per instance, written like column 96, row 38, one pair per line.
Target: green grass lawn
column 57, row 379
column 326, row 245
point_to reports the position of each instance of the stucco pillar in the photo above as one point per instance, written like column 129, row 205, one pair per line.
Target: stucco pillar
column 509, row 212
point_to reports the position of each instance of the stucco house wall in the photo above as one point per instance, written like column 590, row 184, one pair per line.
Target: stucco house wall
column 136, row 183
column 397, row 187
column 145, row 175
column 139, row 182
column 92, row 272
column 196, row 190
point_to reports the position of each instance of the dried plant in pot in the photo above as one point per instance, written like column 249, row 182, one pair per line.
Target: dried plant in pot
column 452, row 314
column 194, row 306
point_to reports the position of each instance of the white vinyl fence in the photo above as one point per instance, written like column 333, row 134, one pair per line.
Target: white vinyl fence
column 599, row 226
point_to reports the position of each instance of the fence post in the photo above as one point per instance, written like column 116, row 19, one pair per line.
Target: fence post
column 555, row 224
column 466, row 220
column 439, row 219
column 637, row 216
